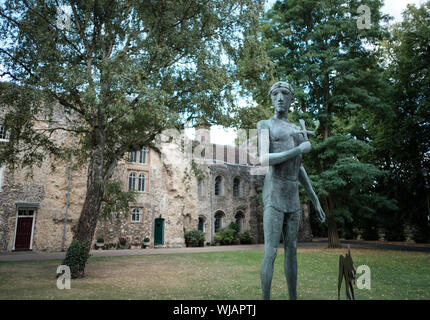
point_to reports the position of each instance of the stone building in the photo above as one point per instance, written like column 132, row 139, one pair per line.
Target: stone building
column 176, row 191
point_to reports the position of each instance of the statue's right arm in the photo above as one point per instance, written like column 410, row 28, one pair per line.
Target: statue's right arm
column 271, row 159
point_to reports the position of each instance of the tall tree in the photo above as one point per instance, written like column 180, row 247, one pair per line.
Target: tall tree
column 401, row 134
column 334, row 65
column 126, row 70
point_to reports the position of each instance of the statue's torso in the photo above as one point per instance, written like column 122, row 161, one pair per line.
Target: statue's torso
column 281, row 182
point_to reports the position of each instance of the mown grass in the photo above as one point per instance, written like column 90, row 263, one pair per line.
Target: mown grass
column 219, row 275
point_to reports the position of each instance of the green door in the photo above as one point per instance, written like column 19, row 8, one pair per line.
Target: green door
column 159, row 231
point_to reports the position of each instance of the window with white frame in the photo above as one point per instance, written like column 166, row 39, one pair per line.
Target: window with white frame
column 141, row 183
column 135, row 215
column 133, row 156
column 132, row 181
column 143, row 155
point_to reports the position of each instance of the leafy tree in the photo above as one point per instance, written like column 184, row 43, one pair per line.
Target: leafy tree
column 401, row 134
column 335, row 68
column 125, row 71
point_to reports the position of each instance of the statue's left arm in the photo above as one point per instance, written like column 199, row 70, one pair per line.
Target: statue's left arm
column 305, row 182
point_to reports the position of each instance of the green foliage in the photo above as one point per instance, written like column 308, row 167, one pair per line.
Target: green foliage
column 401, row 130
column 76, row 258
column 234, row 226
column 317, row 47
column 245, row 237
column 225, row 236
column 126, row 71
column 100, row 240
column 195, row 237
column 116, row 200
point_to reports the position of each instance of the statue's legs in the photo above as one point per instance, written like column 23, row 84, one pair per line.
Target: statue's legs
column 290, row 231
column 272, row 223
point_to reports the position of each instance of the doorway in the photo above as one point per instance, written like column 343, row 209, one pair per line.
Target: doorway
column 159, row 231
column 24, row 229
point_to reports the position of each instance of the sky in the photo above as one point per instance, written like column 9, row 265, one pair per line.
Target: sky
column 394, row 8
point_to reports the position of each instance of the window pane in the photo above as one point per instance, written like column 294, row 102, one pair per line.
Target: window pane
column 143, row 155
column 133, row 156
column 200, row 226
column 218, row 186
column 132, row 181
column 135, row 216
column 141, row 182
column 236, row 187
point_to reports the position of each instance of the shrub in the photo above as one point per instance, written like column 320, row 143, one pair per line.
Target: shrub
column 234, row 226
column 76, row 258
column 146, row 239
column 194, row 237
column 100, row 240
column 226, row 236
column 245, row 237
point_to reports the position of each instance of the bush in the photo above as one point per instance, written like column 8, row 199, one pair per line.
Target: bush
column 100, row 240
column 234, row 226
column 146, row 239
column 76, row 258
column 245, row 237
column 225, row 236
column 194, row 238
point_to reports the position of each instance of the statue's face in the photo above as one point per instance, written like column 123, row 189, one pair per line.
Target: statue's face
column 281, row 99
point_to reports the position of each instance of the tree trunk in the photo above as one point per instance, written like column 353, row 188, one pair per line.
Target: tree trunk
column 333, row 235
column 90, row 214
column 78, row 252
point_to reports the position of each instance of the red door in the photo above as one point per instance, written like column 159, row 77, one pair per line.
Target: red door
column 23, row 233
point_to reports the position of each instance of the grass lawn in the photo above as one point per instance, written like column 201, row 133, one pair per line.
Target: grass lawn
column 219, row 275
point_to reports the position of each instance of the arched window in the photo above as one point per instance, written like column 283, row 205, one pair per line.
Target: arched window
column 236, row 187
column 218, row 186
column 132, row 181
column 201, row 224
column 240, row 217
column 141, row 185
column 143, row 155
column 219, row 216
column 135, row 215
column 133, row 156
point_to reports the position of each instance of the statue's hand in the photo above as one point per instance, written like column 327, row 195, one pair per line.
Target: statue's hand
column 321, row 214
column 305, row 147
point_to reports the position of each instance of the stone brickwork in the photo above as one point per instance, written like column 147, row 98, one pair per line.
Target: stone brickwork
column 172, row 193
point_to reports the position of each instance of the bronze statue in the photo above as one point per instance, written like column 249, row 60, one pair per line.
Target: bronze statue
column 281, row 145
column 347, row 272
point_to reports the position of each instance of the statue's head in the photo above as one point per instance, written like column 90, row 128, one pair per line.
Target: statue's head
column 281, row 94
